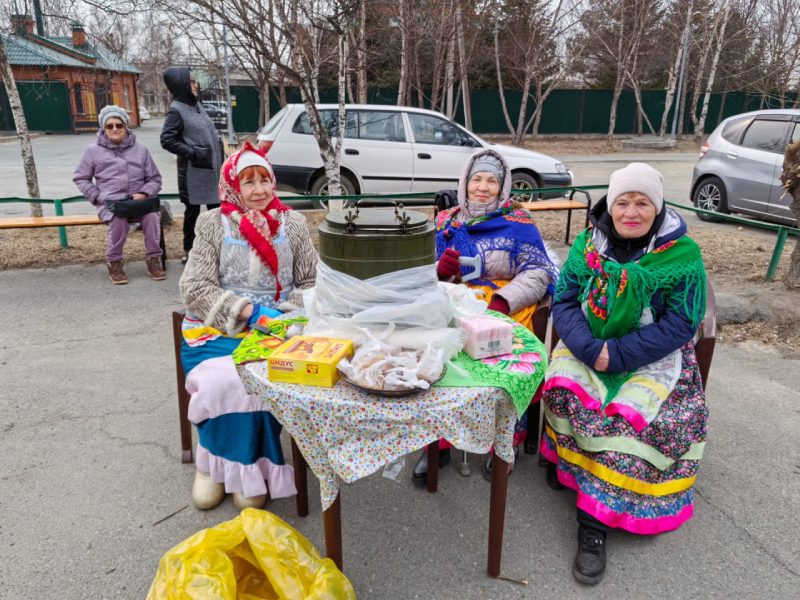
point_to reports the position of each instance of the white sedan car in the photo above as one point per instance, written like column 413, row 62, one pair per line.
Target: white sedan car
column 391, row 149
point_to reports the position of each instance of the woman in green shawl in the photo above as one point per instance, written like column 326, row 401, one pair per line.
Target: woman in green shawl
column 625, row 413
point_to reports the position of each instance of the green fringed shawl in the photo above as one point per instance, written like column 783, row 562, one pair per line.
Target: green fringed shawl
column 617, row 294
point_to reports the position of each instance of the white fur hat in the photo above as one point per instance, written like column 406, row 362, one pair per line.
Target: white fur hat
column 637, row 177
column 252, row 159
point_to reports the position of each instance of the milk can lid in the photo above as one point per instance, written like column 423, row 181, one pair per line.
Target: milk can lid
column 399, row 220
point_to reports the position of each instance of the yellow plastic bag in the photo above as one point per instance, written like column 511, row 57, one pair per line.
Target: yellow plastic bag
column 255, row 556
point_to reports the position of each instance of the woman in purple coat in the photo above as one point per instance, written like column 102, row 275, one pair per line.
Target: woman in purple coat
column 111, row 169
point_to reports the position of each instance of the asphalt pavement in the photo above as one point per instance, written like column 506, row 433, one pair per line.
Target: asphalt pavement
column 91, row 456
column 91, row 460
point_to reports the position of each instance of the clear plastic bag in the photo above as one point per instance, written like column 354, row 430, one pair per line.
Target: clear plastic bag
column 407, row 298
column 465, row 300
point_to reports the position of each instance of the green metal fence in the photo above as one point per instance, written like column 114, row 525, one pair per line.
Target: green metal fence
column 564, row 111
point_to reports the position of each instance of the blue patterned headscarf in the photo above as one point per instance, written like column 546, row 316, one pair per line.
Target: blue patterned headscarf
column 509, row 228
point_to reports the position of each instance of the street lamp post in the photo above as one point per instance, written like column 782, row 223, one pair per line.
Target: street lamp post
column 695, row 17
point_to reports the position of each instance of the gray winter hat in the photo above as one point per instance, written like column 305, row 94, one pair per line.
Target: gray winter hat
column 111, row 111
column 637, row 177
column 489, row 164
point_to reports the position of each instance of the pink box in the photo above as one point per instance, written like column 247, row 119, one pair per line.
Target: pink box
column 488, row 336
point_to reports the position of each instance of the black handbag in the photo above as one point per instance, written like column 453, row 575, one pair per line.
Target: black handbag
column 128, row 208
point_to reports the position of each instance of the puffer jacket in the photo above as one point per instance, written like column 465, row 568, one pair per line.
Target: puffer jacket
column 528, row 285
column 109, row 171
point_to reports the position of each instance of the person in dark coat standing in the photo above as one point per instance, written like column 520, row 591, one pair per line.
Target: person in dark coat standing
column 189, row 133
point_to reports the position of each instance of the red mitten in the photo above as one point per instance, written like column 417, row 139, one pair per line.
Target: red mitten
column 500, row 305
column 448, row 264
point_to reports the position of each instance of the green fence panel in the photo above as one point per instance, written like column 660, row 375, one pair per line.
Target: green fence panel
column 245, row 113
column 569, row 111
column 561, row 112
column 596, row 110
column 45, row 104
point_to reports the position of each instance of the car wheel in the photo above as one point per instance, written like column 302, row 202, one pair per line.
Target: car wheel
column 320, row 188
column 711, row 195
column 523, row 181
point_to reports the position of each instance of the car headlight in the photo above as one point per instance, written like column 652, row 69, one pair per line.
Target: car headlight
column 561, row 168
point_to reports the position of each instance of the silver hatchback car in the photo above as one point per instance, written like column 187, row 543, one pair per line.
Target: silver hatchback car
column 741, row 163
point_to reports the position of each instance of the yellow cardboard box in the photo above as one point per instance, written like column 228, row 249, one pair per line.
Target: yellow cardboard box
column 308, row 360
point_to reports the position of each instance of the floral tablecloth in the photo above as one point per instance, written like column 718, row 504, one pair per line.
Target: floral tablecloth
column 347, row 433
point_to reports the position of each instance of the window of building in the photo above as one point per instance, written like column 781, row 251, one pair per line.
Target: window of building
column 78, row 99
column 125, row 89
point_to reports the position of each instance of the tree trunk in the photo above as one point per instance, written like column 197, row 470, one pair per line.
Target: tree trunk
column 263, row 102
column 701, row 69
column 361, row 54
column 450, row 77
column 29, row 165
column 282, row 92
column 613, row 117
column 700, row 126
column 500, row 88
column 721, row 107
column 418, row 79
column 674, row 71
column 332, row 169
column 790, row 178
column 681, row 120
column 462, row 62
column 638, row 96
column 401, row 88
column 519, row 136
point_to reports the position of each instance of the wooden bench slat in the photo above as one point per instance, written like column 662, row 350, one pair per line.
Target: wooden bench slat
column 66, row 220
column 555, row 205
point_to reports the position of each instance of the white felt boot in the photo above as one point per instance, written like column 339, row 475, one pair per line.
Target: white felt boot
column 240, row 502
column 205, row 493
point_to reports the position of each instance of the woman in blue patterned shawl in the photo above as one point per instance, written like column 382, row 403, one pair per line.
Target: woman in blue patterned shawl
column 517, row 268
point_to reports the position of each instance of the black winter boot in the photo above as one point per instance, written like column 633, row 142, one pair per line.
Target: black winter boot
column 552, row 477
column 590, row 562
column 421, row 470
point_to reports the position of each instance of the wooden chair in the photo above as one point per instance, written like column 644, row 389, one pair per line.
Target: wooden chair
column 183, row 395
column 705, row 341
column 540, row 317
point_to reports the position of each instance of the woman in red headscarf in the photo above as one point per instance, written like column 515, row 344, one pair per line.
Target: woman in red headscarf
column 253, row 256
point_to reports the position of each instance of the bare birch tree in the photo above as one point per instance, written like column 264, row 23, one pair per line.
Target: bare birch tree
column 674, row 70
column 28, row 162
column 307, row 26
column 700, row 123
column 630, row 20
column 533, row 56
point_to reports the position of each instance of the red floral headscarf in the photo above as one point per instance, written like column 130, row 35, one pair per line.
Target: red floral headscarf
column 258, row 227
